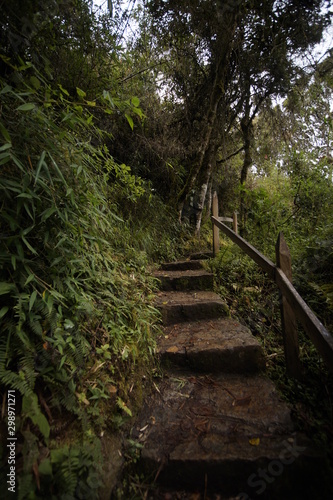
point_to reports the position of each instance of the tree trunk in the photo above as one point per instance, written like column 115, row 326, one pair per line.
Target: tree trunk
column 209, row 198
column 202, row 198
column 217, row 93
column 247, row 131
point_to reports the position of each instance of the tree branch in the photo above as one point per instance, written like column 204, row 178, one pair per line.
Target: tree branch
column 231, row 155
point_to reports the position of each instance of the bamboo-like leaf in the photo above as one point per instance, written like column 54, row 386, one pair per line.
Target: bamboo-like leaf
column 32, row 299
column 6, row 89
column 26, row 242
column 130, row 120
column 3, row 311
column 29, row 106
column 30, row 278
column 6, row 288
column 39, row 166
column 5, row 132
column 80, row 93
column 47, row 213
column 57, row 169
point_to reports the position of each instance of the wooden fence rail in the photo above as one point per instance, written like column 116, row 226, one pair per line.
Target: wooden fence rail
column 293, row 307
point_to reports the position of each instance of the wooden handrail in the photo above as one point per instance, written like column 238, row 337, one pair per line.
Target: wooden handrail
column 267, row 265
column 316, row 331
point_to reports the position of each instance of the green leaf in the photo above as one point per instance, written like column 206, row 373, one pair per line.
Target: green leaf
column 35, row 82
column 3, row 311
column 4, row 158
column 80, row 93
column 39, row 166
column 57, row 169
column 6, row 89
column 45, row 467
column 130, row 120
column 64, row 91
column 6, row 146
column 26, row 107
column 26, row 242
column 31, row 409
column 63, row 359
column 25, row 195
column 138, row 111
column 123, row 406
column 68, row 324
column 29, row 279
column 47, row 213
column 5, row 132
column 135, row 101
column 32, row 299
column 41, row 421
column 6, row 288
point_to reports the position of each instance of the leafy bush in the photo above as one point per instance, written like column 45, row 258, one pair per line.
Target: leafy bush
column 75, row 313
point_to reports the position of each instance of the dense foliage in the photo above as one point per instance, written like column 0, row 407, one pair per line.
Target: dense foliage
column 78, row 230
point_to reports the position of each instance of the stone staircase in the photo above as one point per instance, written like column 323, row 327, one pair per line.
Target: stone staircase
column 215, row 427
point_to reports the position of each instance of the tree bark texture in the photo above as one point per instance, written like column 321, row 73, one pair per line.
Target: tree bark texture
column 225, row 43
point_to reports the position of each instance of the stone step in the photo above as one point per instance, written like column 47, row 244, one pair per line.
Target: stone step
column 227, row 434
column 182, row 265
column 216, row 345
column 185, row 280
column 208, row 254
column 165, row 493
column 178, row 307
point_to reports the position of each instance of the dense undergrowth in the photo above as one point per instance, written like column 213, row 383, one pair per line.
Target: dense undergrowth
column 77, row 321
column 253, row 298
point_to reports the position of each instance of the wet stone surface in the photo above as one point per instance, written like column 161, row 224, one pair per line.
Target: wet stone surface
column 180, row 306
column 217, row 345
column 181, row 265
column 185, row 280
column 225, row 426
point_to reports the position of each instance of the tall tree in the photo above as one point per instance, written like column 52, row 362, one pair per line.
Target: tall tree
column 223, row 59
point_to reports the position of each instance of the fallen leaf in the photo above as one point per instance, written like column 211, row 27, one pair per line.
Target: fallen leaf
column 172, row 349
column 254, row 441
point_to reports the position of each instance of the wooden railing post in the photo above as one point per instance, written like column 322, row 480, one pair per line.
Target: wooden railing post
column 288, row 319
column 235, row 222
column 216, row 231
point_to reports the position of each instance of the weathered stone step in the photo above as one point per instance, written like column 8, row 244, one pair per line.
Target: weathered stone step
column 178, row 307
column 165, row 493
column 185, row 280
column 181, row 265
column 229, row 434
column 208, row 254
column 216, row 345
